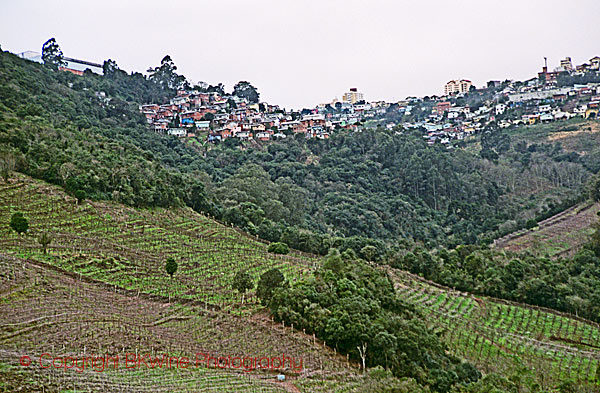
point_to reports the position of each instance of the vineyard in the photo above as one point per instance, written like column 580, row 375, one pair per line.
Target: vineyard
column 560, row 235
column 497, row 335
column 101, row 289
column 127, row 247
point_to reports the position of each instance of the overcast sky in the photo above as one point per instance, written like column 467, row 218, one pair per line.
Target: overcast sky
column 302, row 53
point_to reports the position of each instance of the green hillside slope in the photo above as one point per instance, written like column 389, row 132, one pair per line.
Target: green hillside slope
column 128, row 247
column 101, row 287
column 501, row 336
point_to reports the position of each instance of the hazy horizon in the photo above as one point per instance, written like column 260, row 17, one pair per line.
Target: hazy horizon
column 300, row 54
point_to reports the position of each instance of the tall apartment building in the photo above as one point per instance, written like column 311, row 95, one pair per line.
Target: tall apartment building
column 566, row 64
column 457, row 86
column 352, row 96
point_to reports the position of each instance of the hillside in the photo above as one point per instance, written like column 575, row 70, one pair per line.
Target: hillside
column 118, row 202
column 101, row 287
column 103, row 290
column 127, row 247
column 560, row 235
column 366, row 187
column 503, row 336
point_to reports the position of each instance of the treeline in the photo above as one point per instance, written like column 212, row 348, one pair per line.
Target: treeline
column 355, row 309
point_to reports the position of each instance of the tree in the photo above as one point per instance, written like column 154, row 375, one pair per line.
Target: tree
column 268, row 282
column 219, row 89
column 166, row 77
column 52, row 54
column 80, row 195
column 7, row 165
column 531, row 223
column 369, row 252
column 242, row 282
column 245, row 90
column 109, row 67
column 44, row 240
column 362, row 351
column 171, row 266
column 278, row 248
column 334, row 261
column 19, row 223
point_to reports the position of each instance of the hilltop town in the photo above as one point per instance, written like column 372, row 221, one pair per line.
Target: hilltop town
column 207, row 113
column 460, row 112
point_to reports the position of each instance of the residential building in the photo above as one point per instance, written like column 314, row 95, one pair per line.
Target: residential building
column 352, row 96
column 566, row 64
column 457, row 86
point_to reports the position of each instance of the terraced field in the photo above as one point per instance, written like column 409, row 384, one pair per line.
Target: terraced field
column 497, row 335
column 46, row 311
column 101, row 288
column 128, row 247
column 559, row 235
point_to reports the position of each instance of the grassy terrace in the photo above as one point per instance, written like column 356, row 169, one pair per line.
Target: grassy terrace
column 497, row 335
column 128, row 247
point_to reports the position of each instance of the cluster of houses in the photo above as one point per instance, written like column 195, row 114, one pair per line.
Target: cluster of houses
column 513, row 105
column 221, row 116
column 215, row 116
column 539, row 100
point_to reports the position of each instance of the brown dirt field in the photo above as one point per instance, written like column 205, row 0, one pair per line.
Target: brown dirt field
column 570, row 139
column 560, row 235
column 566, row 134
column 45, row 310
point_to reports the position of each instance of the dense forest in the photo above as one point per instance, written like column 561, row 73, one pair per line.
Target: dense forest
column 354, row 308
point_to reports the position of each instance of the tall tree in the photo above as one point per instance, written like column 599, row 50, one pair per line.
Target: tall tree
column 166, row 77
column 52, row 54
column 109, row 67
column 245, row 90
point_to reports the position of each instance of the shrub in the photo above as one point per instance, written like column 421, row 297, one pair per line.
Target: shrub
column 278, row 248
column 531, row 223
column 19, row 223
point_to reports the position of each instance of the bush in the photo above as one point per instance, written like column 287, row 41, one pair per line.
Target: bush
column 278, row 248
column 531, row 223
column 19, row 223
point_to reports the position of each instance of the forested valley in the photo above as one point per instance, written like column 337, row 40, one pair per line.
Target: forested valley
column 366, row 200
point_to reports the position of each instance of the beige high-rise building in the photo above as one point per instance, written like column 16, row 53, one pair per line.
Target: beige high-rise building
column 566, row 64
column 457, row 86
column 353, row 96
